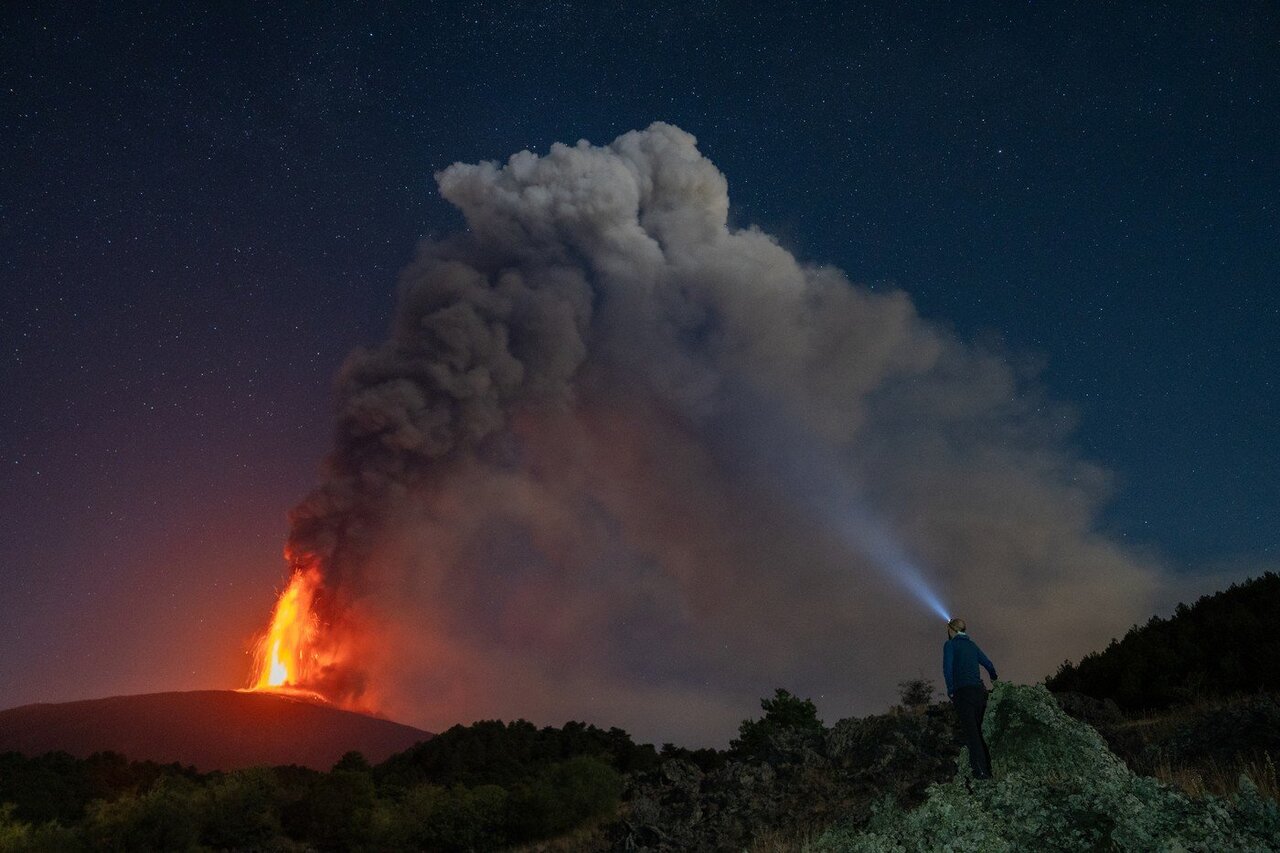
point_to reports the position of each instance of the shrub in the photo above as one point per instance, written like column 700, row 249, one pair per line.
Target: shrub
column 491, row 752
column 167, row 817
column 19, row 837
column 915, row 692
column 789, row 723
column 337, row 813
column 565, row 795
column 432, row 817
column 242, row 810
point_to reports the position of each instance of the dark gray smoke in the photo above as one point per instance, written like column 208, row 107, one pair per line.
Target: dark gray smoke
column 579, row 479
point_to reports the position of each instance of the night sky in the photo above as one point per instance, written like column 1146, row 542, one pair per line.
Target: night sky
column 202, row 213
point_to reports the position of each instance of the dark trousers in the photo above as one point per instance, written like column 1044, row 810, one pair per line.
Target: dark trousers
column 971, row 704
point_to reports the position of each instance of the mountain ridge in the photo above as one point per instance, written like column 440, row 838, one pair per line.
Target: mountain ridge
column 207, row 729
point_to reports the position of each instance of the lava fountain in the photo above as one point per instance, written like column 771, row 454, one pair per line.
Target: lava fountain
column 285, row 652
column 294, row 655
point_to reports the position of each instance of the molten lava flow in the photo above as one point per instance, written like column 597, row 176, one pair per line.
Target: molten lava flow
column 288, row 657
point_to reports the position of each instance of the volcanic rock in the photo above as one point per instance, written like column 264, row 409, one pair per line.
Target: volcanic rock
column 210, row 729
column 1058, row 787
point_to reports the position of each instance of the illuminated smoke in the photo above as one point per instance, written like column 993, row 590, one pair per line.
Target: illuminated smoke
column 621, row 461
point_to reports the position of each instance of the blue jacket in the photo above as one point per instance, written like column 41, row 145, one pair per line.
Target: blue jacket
column 960, row 659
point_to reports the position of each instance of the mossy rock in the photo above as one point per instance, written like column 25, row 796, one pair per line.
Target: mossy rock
column 1028, row 733
column 1057, row 787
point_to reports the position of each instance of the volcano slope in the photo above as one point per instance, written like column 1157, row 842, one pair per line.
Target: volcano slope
column 209, row 729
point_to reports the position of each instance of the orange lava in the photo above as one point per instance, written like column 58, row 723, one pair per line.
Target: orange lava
column 288, row 658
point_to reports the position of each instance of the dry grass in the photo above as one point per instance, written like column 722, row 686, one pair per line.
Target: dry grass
column 1200, row 778
column 1158, row 725
column 783, row 842
column 588, row 837
column 1220, row 780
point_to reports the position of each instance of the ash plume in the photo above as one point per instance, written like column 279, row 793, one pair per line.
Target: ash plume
column 600, row 469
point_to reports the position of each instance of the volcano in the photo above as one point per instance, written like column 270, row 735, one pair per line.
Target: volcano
column 210, row 729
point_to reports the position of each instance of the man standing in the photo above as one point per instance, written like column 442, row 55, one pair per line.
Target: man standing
column 960, row 659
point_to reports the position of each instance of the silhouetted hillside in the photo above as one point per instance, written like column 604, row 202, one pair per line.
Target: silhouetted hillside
column 1224, row 644
column 210, row 729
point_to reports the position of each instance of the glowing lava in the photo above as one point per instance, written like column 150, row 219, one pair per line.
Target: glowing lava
column 288, row 658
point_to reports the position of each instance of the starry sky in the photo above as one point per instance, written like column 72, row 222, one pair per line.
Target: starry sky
column 203, row 212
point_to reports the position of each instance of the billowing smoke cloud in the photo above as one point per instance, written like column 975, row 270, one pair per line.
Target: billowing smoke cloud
column 619, row 461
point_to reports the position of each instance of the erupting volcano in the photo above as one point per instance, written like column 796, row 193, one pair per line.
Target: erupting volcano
column 613, row 445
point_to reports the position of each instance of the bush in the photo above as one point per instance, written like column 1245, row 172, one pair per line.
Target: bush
column 491, row 752
column 788, row 725
column 432, row 817
column 337, row 813
column 242, row 810
column 915, row 692
column 19, row 837
column 167, row 817
column 565, row 795
column 50, row 787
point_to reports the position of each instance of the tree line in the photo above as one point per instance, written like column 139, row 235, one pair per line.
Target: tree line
column 483, row 786
column 1223, row 645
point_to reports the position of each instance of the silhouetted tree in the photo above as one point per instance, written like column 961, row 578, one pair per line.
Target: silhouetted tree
column 352, row 761
column 915, row 692
column 788, row 722
column 242, row 810
column 167, row 817
column 491, row 752
column 339, row 810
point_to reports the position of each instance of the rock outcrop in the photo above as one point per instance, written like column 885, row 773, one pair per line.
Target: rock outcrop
column 1057, row 787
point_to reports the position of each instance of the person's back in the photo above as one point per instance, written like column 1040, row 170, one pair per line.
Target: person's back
column 961, row 658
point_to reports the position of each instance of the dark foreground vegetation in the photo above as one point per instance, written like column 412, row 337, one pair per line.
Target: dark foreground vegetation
column 481, row 787
column 1140, row 763
column 493, row 786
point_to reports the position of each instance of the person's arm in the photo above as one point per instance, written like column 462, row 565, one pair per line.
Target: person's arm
column 948, row 655
column 987, row 664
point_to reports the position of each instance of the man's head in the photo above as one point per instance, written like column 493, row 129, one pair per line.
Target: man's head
column 955, row 626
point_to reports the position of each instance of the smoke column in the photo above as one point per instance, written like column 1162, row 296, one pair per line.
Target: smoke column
column 620, row 461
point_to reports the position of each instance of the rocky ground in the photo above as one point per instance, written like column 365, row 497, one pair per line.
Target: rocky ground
column 1058, row 787
column 886, row 782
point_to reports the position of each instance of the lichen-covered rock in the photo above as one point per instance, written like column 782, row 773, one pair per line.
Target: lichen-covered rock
column 1028, row 733
column 1058, row 787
